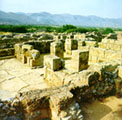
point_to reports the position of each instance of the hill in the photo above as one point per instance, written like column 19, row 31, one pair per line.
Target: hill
column 45, row 18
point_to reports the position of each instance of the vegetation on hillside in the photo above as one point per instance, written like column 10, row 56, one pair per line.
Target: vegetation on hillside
column 58, row 29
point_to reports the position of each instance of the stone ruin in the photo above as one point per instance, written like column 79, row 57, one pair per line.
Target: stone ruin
column 28, row 55
column 74, row 73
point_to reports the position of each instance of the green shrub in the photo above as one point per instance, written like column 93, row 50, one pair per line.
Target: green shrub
column 58, row 29
column 108, row 30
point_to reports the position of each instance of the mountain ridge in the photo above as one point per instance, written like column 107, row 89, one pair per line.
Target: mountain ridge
column 45, row 18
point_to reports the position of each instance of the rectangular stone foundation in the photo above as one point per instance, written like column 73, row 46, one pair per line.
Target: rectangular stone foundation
column 71, row 45
column 57, row 49
column 53, row 62
column 79, row 60
column 54, row 78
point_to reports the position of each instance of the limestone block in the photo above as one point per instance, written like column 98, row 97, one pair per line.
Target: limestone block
column 61, row 100
column 35, row 54
column 112, row 55
column 57, row 49
column 90, row 58
column 88, row 77
column 80, row 42
column 90, row 43
column 120, row 71
column 79, row 36
column 68, row 47
column 102, row 45
column 112, row 41
column 109, row 45
column 7, row 52
column 69, row 41
column 28, row 61
column 103, row 68
column 97, row 52
column 53, row 62
column 19, row 57
column 121, row 48
column 71, row 45
column 94, row 59
column 105, row 40
column 77, row 79
column 69, row 52
column 31, row 63
column 54, row 78
column 118, row 84
column 83, row 48
column 112, row 36
column 24, row 59
column 70, row 36
column 116, row 47
column 17, row 48
column 101, row 59
column 108, row 67
column 56, row 37
column 79, row 60
column 35, row 62
column 26, row 47
column 119, row 61
column 74, row 44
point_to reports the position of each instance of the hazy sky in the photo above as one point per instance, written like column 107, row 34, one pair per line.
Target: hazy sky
column 102, row 8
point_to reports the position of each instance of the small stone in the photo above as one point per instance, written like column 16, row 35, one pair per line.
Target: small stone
column 77, row 105
column 80, row 117
column 72, row 112
column 63, row 114
column 1, row 104
column 94, row 91
column 5, row 107
column 12, row 108
column 78, row 112
column 72, row 107
column 67, row 118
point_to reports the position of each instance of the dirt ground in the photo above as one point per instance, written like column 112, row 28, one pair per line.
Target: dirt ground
column 109, row 109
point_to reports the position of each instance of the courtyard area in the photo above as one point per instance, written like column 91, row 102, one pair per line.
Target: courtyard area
column 17, row 77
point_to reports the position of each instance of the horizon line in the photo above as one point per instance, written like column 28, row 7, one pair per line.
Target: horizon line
column 61, row 14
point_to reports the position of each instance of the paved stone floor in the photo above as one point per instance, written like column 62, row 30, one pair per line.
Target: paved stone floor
column 15, row 77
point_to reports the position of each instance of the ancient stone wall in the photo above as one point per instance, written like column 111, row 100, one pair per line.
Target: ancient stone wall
column 111, row 44
column 87, row 43
column 57, row 49
column 97, row 55
column 8, row 41
column 28, row 55
column 42, row 46
column 7, row 52
column 79, row 60
column 70, row 45
column 54, row 104
column 103, row 77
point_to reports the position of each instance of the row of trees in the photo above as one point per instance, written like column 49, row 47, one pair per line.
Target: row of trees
column 13, row 28
column 58, row 29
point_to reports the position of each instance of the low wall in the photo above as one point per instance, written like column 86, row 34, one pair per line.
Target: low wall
column 97, row 55
column 10, row 42
column 50, row 104
column 42, row 46
column 7, row 52
column 88, row 44
column 115, row 45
